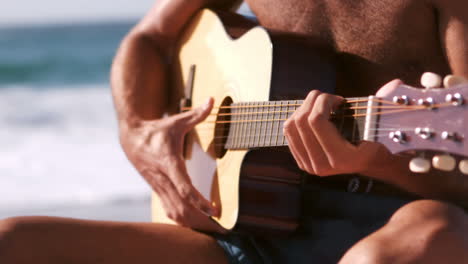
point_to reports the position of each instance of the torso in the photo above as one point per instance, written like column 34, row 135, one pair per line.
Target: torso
column 377, row 40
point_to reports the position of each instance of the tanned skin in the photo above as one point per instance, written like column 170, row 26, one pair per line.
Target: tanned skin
column 377, row 41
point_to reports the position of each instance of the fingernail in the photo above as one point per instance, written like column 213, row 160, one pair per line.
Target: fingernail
column 207, row 211
column 215, row 209
column 207, row 103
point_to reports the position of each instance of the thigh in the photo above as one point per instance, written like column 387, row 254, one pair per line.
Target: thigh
column 60, row 240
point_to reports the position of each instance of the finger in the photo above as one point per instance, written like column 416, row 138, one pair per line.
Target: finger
column 167, row 194
column 187, row 214
column 296, row 147
column 180, row 178
column 388, row 88
column 196, row 115
column 291, row 131
column 176, row 208
column 181, row 212
column 335, row 147
column 317, row 160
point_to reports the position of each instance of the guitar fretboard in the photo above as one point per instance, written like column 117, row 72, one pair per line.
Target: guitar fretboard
column 260, row 124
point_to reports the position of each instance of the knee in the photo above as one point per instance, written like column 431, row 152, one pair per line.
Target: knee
column 434, row 230
column 420, row 232
column 7, row 229
column 431, row 213
column 12, row 238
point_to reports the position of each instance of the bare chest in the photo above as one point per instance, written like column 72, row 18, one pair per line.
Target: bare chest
column 377, row 40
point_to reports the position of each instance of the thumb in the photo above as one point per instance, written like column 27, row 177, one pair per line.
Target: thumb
column 199, row 114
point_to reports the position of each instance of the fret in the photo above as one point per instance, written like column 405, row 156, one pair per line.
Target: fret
column 248, row 134
column 258, row 131
column 232, row 131
column 353, row 135
column 284, row 115
column 254, row 131
column 221, row 133
column 276, row 117
column 243, row 125
column 247, row 122
column 291, row 109
column 236, row 128
column 362, row 119
column 268, row 125
column 263, row 124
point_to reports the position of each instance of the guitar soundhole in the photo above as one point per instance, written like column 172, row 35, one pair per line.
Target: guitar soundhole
column 222, row 127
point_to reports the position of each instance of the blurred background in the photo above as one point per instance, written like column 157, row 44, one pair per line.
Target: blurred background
column 59, row 150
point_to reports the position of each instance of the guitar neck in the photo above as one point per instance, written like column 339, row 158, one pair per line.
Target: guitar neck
column 260, row 124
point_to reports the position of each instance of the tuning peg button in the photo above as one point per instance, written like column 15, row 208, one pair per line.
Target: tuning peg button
column 419, row 165
column 431, row 80
column 463, row 166
column 452, row 80
column 444, row 162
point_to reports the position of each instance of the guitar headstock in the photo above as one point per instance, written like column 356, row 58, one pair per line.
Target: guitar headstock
column 433, row 119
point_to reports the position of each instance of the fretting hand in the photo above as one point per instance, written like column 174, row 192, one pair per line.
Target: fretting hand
column 317, row 145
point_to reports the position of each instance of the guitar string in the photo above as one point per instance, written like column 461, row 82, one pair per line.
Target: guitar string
column 205, row 124
column 273, row 120
column 377, row 100
column 279, row 125
column 345, row 108
column 387, row 127
column 377, row 135
column 400, row 108
column 384, row 129
column 282, row 135
column 415, row 107
column 240, row 145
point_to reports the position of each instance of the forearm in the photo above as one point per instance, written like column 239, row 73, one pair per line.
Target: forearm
column 139, row 82
column 394, row 169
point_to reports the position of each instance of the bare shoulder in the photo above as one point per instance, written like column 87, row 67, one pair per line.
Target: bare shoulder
column 166, row 19
column 169, row 15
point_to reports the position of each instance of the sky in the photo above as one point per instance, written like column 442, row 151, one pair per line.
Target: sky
column 59, row 11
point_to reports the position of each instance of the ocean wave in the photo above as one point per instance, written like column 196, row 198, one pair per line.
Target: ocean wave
column 54, row 55
column 60, row 146
column 54, row 71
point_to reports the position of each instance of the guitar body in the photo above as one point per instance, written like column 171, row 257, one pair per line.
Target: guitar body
column 257, row 189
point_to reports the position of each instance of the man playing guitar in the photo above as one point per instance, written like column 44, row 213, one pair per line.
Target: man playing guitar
column 376, row 41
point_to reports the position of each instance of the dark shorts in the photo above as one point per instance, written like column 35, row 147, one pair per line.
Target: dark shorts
column 332, row 222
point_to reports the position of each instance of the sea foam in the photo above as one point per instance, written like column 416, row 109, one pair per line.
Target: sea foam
column 60, row 147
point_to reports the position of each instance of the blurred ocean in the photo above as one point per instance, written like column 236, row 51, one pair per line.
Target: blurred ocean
column 59, row 150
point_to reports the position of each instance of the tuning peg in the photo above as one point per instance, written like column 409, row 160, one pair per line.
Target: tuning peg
column 443, row 162
column 419, row 165
column 431, row 80
column 452, row 80
column 463, row 166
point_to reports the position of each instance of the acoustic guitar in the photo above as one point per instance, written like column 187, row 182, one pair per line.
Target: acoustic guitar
column 238, row 156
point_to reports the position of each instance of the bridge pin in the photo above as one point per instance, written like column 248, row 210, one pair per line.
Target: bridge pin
column 431, row 80
column 463, row 166
column 444, row 162
column 419, row 165
column 452, row 80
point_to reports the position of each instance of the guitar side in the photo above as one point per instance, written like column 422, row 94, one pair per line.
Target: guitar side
column 217, row 66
